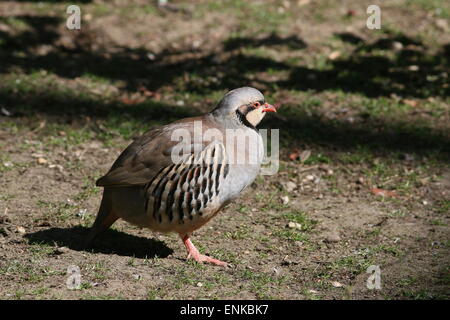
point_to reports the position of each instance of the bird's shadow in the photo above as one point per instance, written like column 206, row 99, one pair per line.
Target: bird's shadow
column 109, row 242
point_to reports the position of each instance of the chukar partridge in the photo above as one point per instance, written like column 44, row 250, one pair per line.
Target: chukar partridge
column 177, row 177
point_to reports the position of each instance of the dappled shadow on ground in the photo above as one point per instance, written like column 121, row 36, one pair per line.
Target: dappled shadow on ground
column 408, row 71
column 109, row 242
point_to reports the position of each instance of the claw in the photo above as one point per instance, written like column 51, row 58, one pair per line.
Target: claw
column 193, row 253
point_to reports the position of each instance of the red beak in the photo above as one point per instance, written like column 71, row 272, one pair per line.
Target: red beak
column 268, row 108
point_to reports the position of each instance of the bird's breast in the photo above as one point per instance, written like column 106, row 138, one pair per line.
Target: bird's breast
column 183, row 196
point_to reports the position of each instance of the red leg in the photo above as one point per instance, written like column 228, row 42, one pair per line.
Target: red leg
column 196, row 255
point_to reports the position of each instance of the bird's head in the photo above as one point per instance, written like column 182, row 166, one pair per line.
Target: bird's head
column 245, row 106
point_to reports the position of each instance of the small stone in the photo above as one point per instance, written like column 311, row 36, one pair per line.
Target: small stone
column 294, row 225
column 298, row 243
column 285, row 199
column 61, row 250
column 57, row 167
column 8, row 164
column 337, row 284
column 425, row 202
column 310, row 177
column 442, row 24
column 313, row 291
column 397, row 46
column 41, row 161
column 413, row 68
column 289, row 186
column 136, row 276
column 21, row 230
column 199, row 284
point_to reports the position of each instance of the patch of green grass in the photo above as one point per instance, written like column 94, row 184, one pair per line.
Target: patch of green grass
column 438, row 7
column 5, row 163
column 26, row 272
column 17, row 23
column 42, row 249
column 423, row 294
column 318, row 159
column 261, row 283
column 361, row 154
column 442, row 206
column 88, row 190
column 154, row 294
column 225, row 255
column 437, row 222
column 393, row 250
column 61, row 211
column 19, row 294
column 291, row 235
column 397, row 213
column 65, row 136
column 353, row 264
column 85, row 286
column 242, row 232
column 407, row 281
column 39, row 291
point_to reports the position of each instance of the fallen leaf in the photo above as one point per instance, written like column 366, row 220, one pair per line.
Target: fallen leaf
column 383, row 193
column 129, row 101
column 294, row 155
column 411, row 103
column 305, row 156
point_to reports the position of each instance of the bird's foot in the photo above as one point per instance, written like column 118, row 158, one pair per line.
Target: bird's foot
column 193, row 253
column 197, row 256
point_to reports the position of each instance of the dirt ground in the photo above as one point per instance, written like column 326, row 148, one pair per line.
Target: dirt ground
column 364, row 177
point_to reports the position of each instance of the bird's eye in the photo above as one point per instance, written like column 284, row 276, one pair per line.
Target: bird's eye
column 256, row 104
